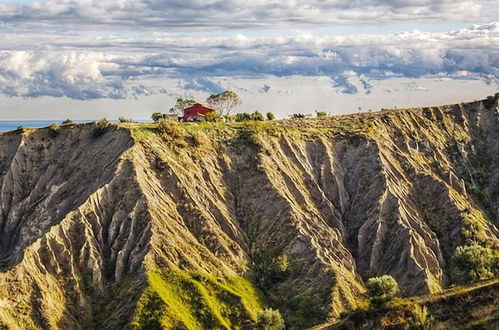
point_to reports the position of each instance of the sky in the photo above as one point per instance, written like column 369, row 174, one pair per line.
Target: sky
column 89, row 59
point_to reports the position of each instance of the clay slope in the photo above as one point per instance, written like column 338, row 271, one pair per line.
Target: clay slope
column 99, row 230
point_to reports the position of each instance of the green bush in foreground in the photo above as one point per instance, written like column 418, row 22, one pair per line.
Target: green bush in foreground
column 270, row 319
column 381, row 290
column 476, row 262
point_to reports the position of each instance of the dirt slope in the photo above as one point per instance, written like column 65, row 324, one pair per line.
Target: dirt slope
column 99, row 231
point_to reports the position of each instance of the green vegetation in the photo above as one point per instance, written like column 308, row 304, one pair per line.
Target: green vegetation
column 270, row 116
column 193, row 300
column 381, row 290
column 101, row 127
column 307, row 311
column 225, row 103
column 298, row 116
column 257, row 116
column 270, row 268
column 270, row 319
column 475, row 262
column 54, row 130
column 180, row 105
column 125, row 120
column 156, row 116
column 212, row 117
column 320, row 114
column 67, row 122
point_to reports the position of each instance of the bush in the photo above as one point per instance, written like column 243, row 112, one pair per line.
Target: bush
column 212, row 117
column 270, row 268
column 270, row 319
column 125, row 120
column 54, row 130
column 321, row 114
column 257, row 116
column 171, row 129
column 67, row 122
column 242, row 116
column 101, row 127
column 156, row 116
column 381, row 290
column 270, row 116
column 297, row 116
column 476, row 262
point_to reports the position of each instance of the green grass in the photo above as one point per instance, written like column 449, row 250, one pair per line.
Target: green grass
column 192, row 300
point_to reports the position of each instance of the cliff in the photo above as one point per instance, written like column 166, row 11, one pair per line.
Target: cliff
column 204, row 225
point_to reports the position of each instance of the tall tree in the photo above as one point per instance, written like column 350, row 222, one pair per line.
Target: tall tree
column 225, row 103
column 182, row 104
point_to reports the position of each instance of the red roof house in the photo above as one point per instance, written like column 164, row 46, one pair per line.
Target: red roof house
column 197, row 110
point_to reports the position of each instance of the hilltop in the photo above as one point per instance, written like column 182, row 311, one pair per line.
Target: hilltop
column 180, row 225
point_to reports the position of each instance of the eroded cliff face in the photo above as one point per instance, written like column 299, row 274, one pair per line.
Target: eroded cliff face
column 95, row 230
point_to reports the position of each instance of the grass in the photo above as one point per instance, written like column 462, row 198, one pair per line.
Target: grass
column 193, row 300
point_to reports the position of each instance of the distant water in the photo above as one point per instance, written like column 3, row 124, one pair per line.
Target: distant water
column 9, row 125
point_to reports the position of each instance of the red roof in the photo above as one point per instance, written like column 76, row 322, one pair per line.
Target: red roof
column 196, row 109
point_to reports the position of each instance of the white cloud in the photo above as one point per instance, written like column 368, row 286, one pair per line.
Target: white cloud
column 191, row 14
column 120, row 66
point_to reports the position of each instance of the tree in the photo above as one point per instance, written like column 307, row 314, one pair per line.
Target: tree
column 242, row 116
column 156, row 116
column 67, row 122
column 182, row 104
column 320, row 114
column 381, row 290
column 257, row 116
column 125, row 120
column 270, row 116
column 225, row 103
column 270, row 319
column 476, row 262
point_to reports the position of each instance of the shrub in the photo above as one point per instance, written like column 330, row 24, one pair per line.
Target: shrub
column 419, row 319
column 125, row 120
column 212, row 117
column 321, row 114
column 297, row 116
column 242, row 116
column 54, row 130
column 270, row 268
column 101, row 127
column 270, row 116
column 67, row 122
column 381, row 290
column 171, row 129
column 156, row 116
column 270, row 319
column 230, row 118
column 476, row 262
column 257, row 116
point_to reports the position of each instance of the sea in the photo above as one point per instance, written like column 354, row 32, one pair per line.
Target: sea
column 9, row 125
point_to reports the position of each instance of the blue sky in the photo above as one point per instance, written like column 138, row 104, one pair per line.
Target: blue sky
column 86, row 59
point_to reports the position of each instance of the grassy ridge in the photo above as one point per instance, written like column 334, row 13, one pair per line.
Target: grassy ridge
column 193, row 300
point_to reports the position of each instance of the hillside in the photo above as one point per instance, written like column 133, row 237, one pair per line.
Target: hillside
column 204, row 225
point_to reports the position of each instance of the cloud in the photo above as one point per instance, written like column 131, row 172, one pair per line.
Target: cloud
column 201, row 14
column 120, row 66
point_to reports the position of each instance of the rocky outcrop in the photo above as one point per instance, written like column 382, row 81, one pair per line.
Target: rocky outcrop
column 86, row 217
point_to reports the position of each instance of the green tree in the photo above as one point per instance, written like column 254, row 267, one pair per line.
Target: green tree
column 242, row 116
column 225, row 103
column 156, row 116
column 270, row 319
column 212, row 117
column 257, row 116
column 180, row 105
column 270, row 116
column 67, row 121
column 381, row 290
column 476, row 262
column 320, row 114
